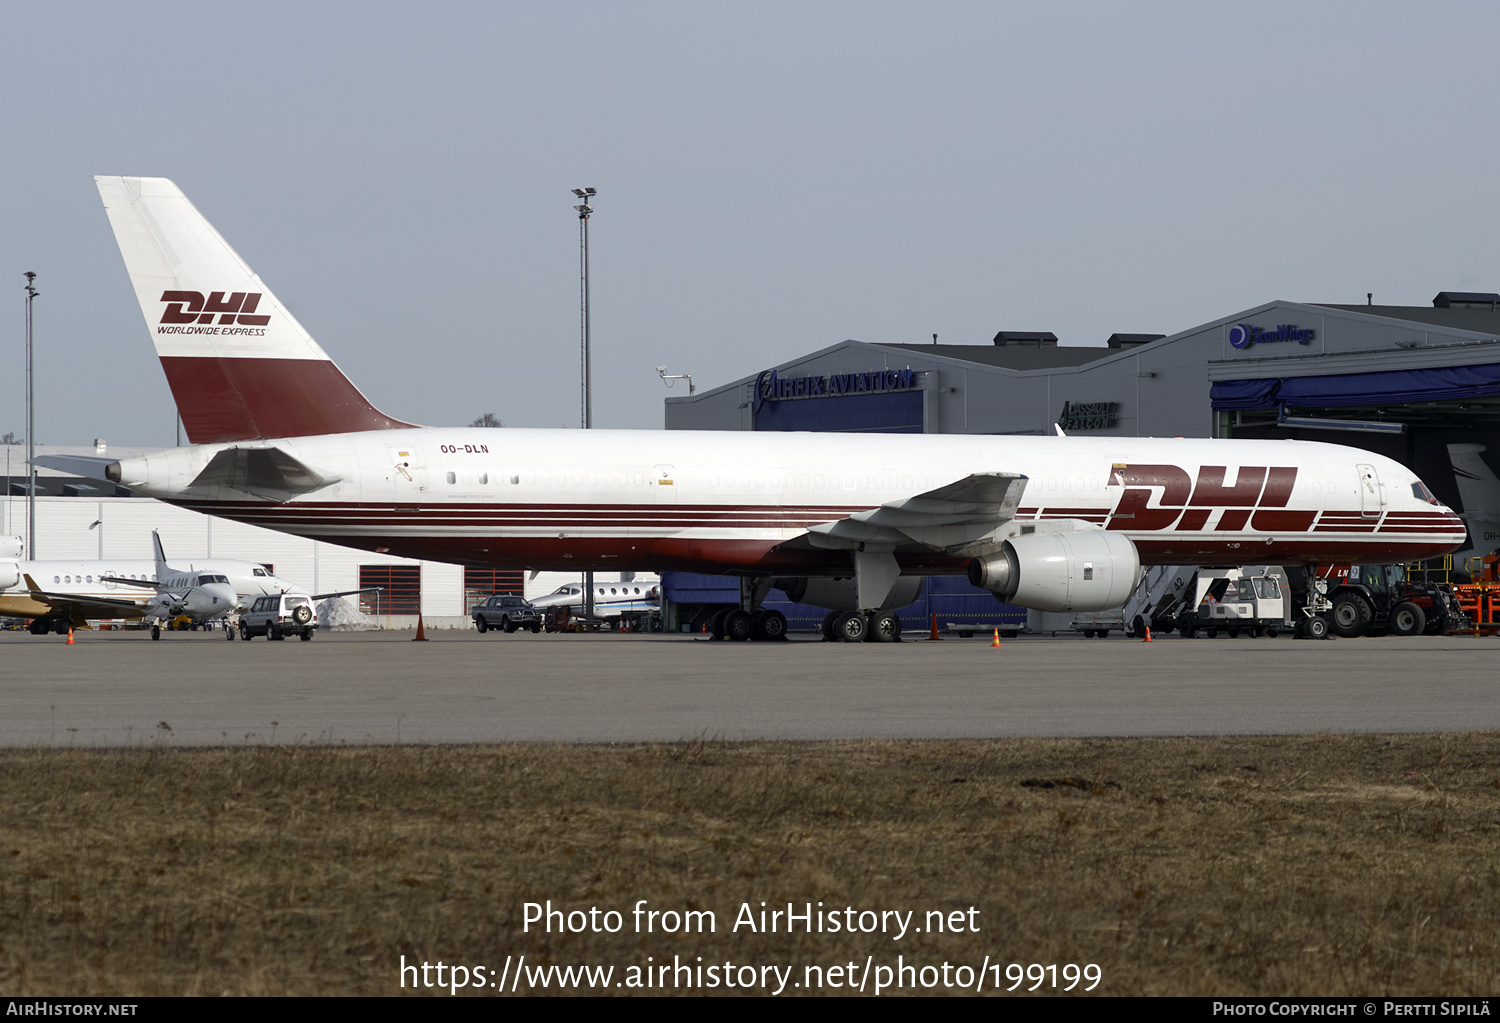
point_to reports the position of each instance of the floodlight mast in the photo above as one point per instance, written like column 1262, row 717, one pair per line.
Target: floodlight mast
column 586, row 355
column 585, row 326
column 31, row 294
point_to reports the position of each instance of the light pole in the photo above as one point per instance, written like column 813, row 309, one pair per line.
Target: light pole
column 584, row 209
column 31, row 294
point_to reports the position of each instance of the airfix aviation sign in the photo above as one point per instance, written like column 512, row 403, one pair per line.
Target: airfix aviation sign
column 770, row 386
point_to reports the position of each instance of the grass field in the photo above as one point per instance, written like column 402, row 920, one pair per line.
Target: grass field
column 1316, row 865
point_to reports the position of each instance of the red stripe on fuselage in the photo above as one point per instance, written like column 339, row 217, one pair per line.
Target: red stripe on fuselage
column 244, row 399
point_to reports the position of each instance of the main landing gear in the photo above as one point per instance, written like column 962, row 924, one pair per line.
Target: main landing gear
column 861, row 627
column 738, row 624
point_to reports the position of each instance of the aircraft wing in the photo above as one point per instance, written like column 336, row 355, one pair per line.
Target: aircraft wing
column 345, row 593
column 61, row 601
column 952, row 517
column 127, row 582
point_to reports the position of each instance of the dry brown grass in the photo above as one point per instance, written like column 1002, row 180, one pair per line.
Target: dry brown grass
column 1306, row 865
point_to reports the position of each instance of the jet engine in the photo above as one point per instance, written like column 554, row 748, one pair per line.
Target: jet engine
column 10, row 575
column 838, row 593
column 1083, row 570
column 10, row 547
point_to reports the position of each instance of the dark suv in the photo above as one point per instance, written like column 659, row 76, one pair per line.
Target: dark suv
column 507, row 613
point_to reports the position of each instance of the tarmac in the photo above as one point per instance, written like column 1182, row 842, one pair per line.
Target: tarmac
column 120, row 689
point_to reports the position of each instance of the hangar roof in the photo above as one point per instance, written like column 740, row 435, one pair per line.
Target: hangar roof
column 1009, row 357
column 1483, row 320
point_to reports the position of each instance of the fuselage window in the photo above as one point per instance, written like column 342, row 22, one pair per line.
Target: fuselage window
column 452, row 478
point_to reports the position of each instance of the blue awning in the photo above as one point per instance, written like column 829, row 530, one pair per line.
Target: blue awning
column 1359, row 389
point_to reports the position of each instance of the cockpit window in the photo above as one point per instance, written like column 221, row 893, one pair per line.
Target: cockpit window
column 260, row 572
column 1420, row 492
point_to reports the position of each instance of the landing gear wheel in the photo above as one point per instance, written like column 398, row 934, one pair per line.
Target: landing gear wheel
column 1316, row 628
column 885, row 627
column 39, row 627
column 1351, row 615
column 716, row 624
column 156, row 632
column 828, row 619
column 245, row 632
column 738, row 625
column 480, row 625
column 770, row 625
column 850, row 627
column 1407, row 619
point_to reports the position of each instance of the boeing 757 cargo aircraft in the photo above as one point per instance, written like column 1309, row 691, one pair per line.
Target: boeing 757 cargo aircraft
column 282, row 439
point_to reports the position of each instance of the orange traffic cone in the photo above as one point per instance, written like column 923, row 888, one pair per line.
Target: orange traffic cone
column 70, row 635
column 934, row 629
column 1148, row 635
column 421, row 636
column 997, row 638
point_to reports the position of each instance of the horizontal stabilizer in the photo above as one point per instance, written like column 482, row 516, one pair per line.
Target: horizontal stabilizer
column 260, row 472
column 87, row 466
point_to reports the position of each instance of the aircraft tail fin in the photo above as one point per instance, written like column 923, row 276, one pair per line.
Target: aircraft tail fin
column 240, row 366
column 1477, row 483
column 161, row 557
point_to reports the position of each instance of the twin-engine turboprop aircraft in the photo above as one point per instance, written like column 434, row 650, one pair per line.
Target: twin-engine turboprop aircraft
column 57, row 595
column 282, row 439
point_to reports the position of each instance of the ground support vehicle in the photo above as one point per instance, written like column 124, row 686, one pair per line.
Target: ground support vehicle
column 507, row 613
column 1236, row 601
column 1479, row 603
column 1375, row 600
column 1099, row 623
column 278, row 615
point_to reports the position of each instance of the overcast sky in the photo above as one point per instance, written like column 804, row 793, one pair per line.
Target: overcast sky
column 773, row 178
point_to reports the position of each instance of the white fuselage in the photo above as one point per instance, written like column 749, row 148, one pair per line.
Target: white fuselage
column 743, row 502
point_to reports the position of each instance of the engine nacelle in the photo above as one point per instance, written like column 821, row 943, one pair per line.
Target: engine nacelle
column 10, row 575
column 10, row 547
column 1083, row 570
column 839, row 593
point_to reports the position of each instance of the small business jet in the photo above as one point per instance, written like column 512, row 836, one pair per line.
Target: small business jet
column 282, row 439
column 622, row 597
